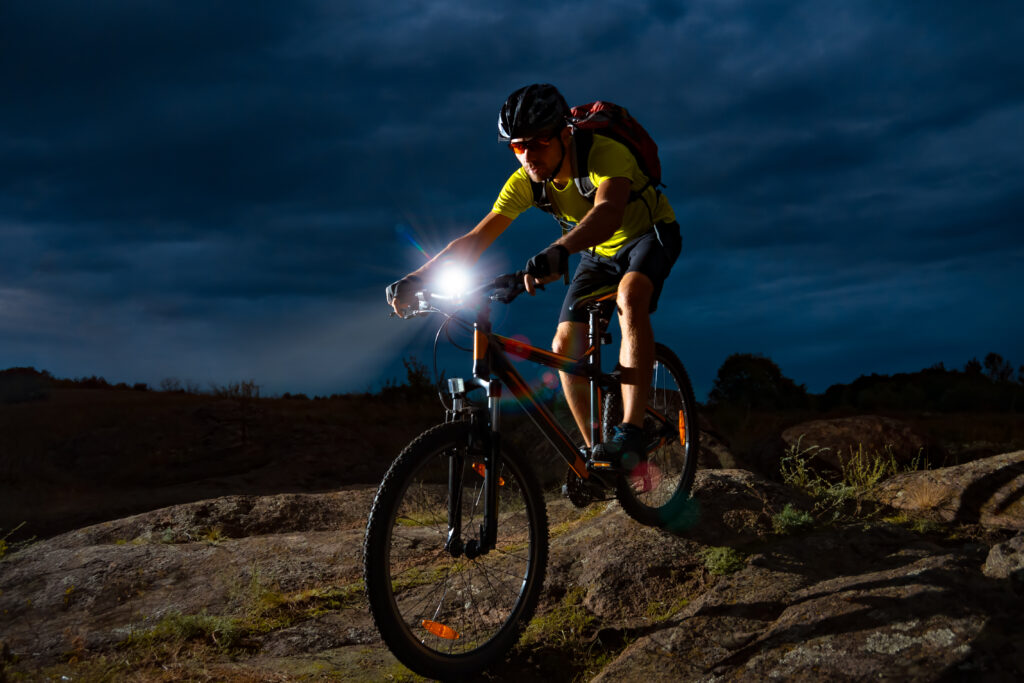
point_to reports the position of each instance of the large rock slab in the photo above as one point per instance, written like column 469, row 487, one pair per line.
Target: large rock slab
column 835, row 441
column 988, row 492
column 881, row 607
column 96, row 586
column 856, row 602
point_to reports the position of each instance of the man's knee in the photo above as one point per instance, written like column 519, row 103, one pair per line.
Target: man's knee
column 634, row 297
column 569, row 339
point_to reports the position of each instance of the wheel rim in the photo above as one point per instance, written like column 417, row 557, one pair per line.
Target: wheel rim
column 655, row 482
column 454, row 606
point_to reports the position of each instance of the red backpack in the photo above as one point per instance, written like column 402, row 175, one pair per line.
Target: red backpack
column 615, row 122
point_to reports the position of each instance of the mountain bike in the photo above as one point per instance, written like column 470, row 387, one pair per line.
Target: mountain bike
column 457, row 541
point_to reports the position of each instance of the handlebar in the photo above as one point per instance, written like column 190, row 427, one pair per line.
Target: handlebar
column 504, row 289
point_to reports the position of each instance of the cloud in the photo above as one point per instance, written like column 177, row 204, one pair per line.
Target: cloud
column 189, row 177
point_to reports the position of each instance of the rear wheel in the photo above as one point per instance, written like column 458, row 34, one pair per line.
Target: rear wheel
column 657, row 492
column 441, row 613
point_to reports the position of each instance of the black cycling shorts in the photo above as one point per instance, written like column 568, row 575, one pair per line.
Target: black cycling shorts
column 652, row 254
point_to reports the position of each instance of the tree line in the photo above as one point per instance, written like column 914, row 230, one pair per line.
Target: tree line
column 748, row 382
column 754, row 382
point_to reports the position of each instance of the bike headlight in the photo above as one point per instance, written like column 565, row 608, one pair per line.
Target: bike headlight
column 454, row 280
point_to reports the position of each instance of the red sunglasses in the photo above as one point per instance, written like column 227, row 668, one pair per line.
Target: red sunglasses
column 521, row 146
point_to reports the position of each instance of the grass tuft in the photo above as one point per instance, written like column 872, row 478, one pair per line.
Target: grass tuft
column 563, row 625
column 792, row 520
column 841, row 498
column 7, row 547
column 722, row 560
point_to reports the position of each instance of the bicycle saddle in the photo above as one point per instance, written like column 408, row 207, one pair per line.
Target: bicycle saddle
column 599, row 298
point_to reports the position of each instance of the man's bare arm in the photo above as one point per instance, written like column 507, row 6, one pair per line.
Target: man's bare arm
column 465, row 249
column 598, row 225
column 468, row 248
column 603, row 220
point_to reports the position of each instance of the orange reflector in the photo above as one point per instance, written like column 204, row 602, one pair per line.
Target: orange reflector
column 440, row 630
column 682, row 428
column 479, row 468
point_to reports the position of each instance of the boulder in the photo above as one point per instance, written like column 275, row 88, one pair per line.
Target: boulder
column 835, row 441
column 1006, row 561
column 715, row 454
column 988, row 492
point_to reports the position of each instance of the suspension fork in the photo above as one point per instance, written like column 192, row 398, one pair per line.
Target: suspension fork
column 492, row 464
column 484, row 439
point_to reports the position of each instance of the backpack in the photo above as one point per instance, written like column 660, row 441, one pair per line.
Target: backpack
column 615, row 122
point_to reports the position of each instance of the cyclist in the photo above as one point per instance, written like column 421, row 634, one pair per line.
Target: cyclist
column 627, row 235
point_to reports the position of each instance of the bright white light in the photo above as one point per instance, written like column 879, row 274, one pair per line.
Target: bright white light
column 454, row 280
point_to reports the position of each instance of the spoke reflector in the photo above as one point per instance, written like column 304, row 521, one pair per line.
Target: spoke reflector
column 682, row 428
column 479, row 468
column 440, row 630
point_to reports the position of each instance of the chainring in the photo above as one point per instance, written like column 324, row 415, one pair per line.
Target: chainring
column 581, row 493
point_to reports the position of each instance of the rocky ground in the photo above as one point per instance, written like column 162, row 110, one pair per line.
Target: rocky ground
column 267, row 588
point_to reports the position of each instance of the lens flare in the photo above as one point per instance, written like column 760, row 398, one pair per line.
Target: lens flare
column 405, row 232
column 518, row 348
column 645, row 477
column 454, row 280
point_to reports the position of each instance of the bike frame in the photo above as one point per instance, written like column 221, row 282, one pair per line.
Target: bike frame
column 492, row 370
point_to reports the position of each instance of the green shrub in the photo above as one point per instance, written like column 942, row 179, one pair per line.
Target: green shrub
column 721, row 561
column 843, row 494
column 792, row 520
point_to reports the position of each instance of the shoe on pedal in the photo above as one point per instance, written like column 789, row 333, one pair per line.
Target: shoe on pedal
column 620, row 453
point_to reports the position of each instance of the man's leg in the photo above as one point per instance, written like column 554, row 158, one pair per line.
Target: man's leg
column 636, row 353
column 569, row 341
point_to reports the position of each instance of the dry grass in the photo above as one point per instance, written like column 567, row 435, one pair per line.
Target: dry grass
column 923, row 494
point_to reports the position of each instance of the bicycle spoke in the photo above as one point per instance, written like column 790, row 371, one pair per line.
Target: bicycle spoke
column 451, row 605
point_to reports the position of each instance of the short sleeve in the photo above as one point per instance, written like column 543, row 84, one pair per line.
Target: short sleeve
column 611, row 159
column 515, row 197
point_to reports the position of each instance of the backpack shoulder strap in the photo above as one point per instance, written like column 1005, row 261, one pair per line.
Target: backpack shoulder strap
column 583, row 142
column 541, row 199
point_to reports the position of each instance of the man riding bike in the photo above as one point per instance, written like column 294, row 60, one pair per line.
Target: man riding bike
column 627, row 235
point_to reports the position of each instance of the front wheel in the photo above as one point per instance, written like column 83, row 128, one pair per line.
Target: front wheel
column 442, row 611
column 657, row 493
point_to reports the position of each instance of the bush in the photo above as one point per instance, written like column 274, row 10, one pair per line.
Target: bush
column 721, row 561
column 791, row 520
column 19, row 385
column 246, row 389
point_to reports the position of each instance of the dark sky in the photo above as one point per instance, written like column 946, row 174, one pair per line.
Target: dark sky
column 219, row 191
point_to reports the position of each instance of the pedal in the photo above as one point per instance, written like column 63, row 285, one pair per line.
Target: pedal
column 582, row 493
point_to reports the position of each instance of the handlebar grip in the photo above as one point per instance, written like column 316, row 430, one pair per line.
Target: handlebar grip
column 509, row 286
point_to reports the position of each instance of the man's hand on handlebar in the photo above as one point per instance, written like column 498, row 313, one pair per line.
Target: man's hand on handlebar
column 401, row 295
column 532, row 283
column 545, row 267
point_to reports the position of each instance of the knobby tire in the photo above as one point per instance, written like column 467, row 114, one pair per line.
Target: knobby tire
column 417, row 589
column 672, row 458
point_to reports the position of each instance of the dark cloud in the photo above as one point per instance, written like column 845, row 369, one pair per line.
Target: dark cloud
column 223, row 185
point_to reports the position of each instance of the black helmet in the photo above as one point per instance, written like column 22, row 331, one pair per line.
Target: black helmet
column 537, row 108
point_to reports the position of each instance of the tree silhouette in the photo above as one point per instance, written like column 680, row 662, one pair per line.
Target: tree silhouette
column 755, row 382
column 997, row 369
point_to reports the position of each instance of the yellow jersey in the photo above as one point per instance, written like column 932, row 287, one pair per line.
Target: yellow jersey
column 608, row 159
